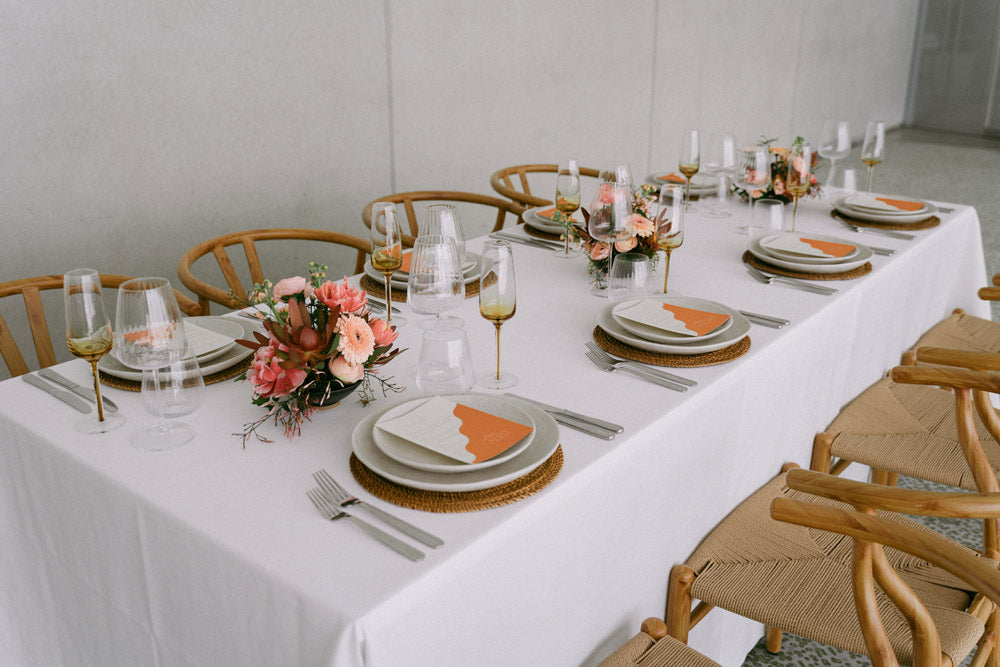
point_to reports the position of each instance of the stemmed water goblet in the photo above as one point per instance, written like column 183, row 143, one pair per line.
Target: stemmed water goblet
column 753, row 171
column 567, row 200
column 149, row 335
column 873, row 149
column 497, row 302
column 668, row 232
column 721, row 163
column 387, row 250
column 435, row 284
column 443, row 220
column 88, row 336
column 834, row 144
column 798, row 175
column 690, row 160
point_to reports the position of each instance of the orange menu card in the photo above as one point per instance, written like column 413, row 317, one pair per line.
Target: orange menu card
column 549, row 213
column 456, row 431
column 672, row 178
column 670, row 317
column 902, row 204
column 829, row 248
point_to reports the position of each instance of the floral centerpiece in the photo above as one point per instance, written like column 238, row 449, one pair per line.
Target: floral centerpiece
column 321, row 343
column 637, row 235
column 779, row 168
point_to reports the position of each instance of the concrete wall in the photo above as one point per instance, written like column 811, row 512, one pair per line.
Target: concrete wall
column 130, row 131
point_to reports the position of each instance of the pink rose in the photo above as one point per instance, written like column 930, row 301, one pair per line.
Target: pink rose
column 292, row 286
column 345, row 371
column 626, row 244
column 599, row 251
column 384, row 333
column 269, row 378
column 349, row 299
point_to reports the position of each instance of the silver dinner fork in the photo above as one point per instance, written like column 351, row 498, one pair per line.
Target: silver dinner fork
column 606, row 356
column 638, row 372
column 341, row 497
column 767, row 279
column 334, row 512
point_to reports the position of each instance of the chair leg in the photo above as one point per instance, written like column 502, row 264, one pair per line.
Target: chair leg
column 892, row 478
column 772, row 639
column 880, row 477
column 678, row 616
column 821, row 457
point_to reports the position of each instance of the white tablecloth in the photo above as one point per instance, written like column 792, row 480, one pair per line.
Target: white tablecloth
column 212, row 555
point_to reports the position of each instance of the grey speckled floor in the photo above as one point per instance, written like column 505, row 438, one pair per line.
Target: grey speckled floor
column 943, row 167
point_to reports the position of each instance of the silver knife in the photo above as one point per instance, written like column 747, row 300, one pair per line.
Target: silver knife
column 533, row 243
column 77, row 389
column 584, row 427
column 63, row 396
column 769, row 318
column 608, row 426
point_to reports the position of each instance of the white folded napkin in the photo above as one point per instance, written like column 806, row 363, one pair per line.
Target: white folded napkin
column 202, row 341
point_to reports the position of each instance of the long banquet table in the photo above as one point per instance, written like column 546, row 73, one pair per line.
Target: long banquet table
column 213, row 555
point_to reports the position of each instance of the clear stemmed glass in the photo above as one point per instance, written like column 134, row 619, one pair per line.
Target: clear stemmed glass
column 873, row 149
column 567, row 200
column 753, row 171
column 669, row 225
column 609, row 217
column 387, row 250
column 149, row 334
column 435, row 284
column 721, row 163
column 834, row 144
column 799, row 174
column 497, row 302
column 690, row 159
column 171, row 392
column 443, row 220
column 88, row 336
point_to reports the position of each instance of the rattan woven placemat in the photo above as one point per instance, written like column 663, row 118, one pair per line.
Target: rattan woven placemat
column 929, row 223
column 377, row 289
column 610, row 344
column 863, row 270
column 224, row 374
column 465, row 501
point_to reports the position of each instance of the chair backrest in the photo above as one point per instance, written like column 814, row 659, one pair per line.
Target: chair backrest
column 503, row 207
column 236, row 294
column 30, row 290
column 512, row 182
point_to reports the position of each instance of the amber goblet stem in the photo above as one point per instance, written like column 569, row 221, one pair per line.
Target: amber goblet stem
column 666, row 267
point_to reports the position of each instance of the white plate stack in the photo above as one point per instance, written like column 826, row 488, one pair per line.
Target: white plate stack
column 886, row 210
column 643, row 333
column 805, row 252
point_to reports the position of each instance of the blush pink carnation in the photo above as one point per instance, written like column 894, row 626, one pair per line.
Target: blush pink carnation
column 269, row 378
column 292, row 286
column 341, row 294
column 384, row 333
column 345, row 371
column 357, row 342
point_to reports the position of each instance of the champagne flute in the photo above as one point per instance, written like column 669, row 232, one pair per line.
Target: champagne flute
column 497, row 302
column 873, row 149
column 834, row 144
column 567, row 200
column 690, row 160
column 798, row 174
column 721, row 162
column 387, row 249
column 149, row 334
column 435, row 283
column 669, row 225
column 88, row 336
column 753, row 172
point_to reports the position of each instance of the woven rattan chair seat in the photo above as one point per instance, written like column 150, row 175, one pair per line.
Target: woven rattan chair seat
column 643, row 651
column 910, row 430
column 799, row 580
column 963, row 332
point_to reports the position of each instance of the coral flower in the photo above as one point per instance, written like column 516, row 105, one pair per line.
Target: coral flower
column 599, row 251
column 341, row 294
column 626, row 244
column 269, row 378
column 345, row 371
column 384, row 333
column 639, row 225
column 357, row 342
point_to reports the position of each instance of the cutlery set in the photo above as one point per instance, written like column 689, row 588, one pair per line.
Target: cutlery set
column 768, row 279
column 74, row 399
column 541, row 244
column 575, row 420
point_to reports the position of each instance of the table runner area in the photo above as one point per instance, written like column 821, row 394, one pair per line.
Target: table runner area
column 210, row 554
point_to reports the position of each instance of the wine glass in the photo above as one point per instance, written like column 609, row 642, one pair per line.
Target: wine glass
column 171, row 392
column 753, row 171
column 834, row 144
column 387, row 250
column 567, row 200
column 721, row 163
column 149, row 335
column 443, row 220
column 497, row 302
column 668, row 232
column 690, row 159
column 609, row 218
column 873, row 149
column 798, row 173
column 435, row 283
column 88, row 336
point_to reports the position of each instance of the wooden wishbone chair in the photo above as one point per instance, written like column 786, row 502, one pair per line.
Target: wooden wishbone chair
column 503, row 207
column 802, row 580
column 30, row 289
column 653, row 647
column 963, row 331
column 236, row 295
column 503, row 182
